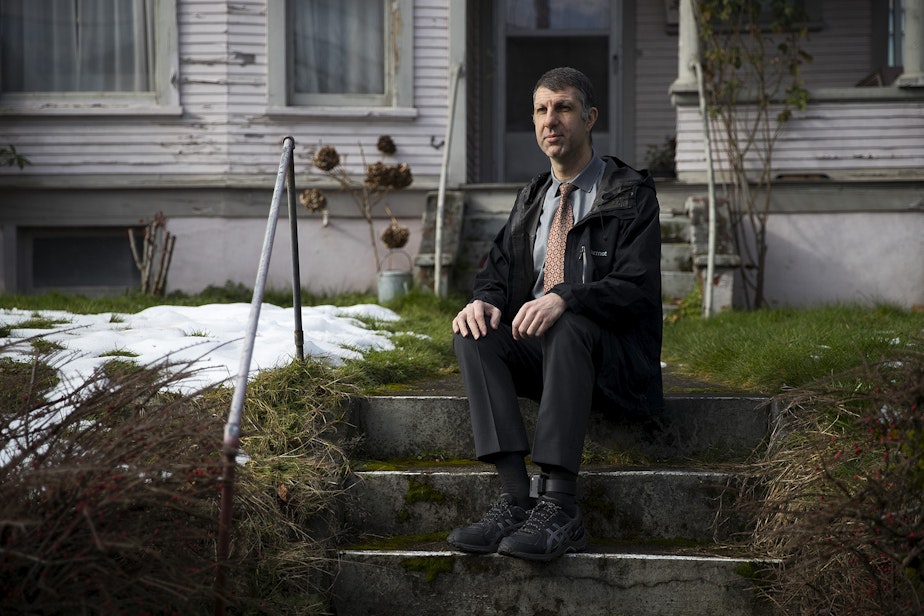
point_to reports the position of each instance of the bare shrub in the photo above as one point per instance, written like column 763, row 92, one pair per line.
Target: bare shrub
column 844, row 500
column 109, row 496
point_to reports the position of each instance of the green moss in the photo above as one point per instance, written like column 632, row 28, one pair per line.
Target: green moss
column 400, row 542
column 595, row 453
column 417, row 492
column 753, row 572
column 421, row 492
column 430, row 566
column 403, row 464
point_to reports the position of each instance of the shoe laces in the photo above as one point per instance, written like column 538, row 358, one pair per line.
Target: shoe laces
column 499, row 511
column 540, row 515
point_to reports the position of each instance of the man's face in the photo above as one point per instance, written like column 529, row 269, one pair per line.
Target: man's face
column 560, row 131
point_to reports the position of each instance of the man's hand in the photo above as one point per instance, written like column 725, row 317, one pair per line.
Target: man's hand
column 538, row 315
column 475, row 318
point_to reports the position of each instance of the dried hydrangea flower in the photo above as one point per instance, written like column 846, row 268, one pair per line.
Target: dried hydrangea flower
column 386, row 145
column 313, row 199
column 382, row 176
column 326, row 158
column 395, row 235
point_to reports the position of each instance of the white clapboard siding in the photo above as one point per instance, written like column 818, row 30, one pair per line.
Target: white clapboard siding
column 656, row 70
column 224, row 131
column 829, row 137
column 841, row 49
column 255, row 136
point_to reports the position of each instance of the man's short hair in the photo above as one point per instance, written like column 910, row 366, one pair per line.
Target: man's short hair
column 563, row 77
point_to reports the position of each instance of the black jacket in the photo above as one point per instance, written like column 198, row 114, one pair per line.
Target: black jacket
column 612, row 275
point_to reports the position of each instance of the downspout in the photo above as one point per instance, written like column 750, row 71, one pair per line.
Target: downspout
column 710, row 182
column 441, row 195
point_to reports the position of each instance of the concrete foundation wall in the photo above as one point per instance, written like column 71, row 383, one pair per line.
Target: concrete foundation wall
column 333, row 259
column 847, row 257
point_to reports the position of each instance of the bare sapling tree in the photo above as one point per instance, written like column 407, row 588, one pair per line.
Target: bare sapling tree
column 752, row 54
column 153, row 256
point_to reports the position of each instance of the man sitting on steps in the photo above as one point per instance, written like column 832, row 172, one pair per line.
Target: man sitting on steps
column 566, row 311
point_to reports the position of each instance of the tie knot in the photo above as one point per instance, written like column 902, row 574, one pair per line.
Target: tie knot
column 566, row 188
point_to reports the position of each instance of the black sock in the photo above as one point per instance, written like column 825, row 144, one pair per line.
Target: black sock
column 511, row 468
column 564, row 498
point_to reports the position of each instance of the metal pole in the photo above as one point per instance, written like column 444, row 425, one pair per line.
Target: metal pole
column 232, row 435
column 441, row 195
column 710, row 181
column 296, row 276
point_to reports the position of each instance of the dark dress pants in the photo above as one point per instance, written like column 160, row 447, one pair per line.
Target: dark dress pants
column 558, row 369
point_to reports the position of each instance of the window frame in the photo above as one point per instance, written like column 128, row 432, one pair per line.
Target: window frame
column 28, row 236
column 164, row 99
column 397, row 99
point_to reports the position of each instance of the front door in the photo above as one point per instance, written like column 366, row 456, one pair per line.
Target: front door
column 534, row 36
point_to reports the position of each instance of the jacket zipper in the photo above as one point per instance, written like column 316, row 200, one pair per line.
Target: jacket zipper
column 582, row 257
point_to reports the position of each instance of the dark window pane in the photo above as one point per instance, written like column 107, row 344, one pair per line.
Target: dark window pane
column 529, row 57
column 94, row 259
column 558, row 14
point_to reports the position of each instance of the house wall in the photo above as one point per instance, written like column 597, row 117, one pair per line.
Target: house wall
column 656, row 70
column 834, row 138
column 211, row 164
column 869, row 258
column 842, row 49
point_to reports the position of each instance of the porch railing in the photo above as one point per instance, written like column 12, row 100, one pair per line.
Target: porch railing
column 284, row 177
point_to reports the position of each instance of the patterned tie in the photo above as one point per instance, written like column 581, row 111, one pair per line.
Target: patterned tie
column 558, row 234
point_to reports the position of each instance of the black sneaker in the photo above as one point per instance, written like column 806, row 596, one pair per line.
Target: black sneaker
column 483, row 537
column 548, row 533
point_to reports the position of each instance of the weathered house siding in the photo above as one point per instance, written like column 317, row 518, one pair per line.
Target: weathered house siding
column 846, row 220
column 226, row 130
column 846, row 131
column 835, row 139
column 656, row 70
column 210, row 163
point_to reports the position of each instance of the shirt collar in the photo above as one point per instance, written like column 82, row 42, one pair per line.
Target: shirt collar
column 587, row 179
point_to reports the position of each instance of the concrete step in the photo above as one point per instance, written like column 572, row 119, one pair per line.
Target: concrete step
column 675, row 228
column 691, row 427
column 677, row 284
column 676, row 258
column 654, row 530
column 594, row 583
column 671, row 504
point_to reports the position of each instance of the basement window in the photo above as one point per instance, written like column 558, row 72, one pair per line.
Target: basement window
column 84, row 260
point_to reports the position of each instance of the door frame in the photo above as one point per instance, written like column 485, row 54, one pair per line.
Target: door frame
column 621, row 90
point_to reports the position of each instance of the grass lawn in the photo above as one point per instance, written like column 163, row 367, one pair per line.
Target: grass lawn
column 760, row 351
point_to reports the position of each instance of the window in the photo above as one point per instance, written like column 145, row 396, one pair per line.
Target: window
column 340, row 53
column 82, row 51
column 896, row 32
column 89, row 260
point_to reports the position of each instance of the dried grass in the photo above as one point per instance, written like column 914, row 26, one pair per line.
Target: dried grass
column 841, row 501
column 110, row 502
